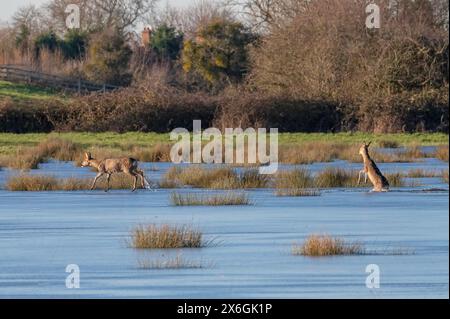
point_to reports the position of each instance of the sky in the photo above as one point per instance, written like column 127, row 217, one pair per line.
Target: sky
column 8, row 7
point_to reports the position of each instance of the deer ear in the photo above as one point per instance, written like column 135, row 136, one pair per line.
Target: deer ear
column 87, row 156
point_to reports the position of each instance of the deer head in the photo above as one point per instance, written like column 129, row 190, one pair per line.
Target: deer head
column 86, row 160
column 364, row 149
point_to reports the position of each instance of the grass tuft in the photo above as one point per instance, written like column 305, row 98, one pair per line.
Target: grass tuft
column 177, row 262
column 336, row 177
column 225, row 199
column 325, row 245
column 442, row 153
column 166, row 236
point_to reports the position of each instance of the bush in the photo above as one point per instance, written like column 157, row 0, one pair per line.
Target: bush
column 247, row 109
column 135, row 109
column 19, row 119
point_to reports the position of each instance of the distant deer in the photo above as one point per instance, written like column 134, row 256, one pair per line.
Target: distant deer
column 110, row 166
column 380, row 183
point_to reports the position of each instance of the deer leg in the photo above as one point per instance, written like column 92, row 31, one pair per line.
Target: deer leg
column 108, row 176
column 95, row 180
column 359, row 176
column 135, row 181
column 365, row 177
column 141, row 174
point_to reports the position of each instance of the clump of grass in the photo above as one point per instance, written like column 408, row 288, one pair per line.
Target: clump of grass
column 24, row 159
column 396, row 180
column 57, row 148
column 336, row 177
column 215, row 178
column 295, row 183
column 296, row 179
column 177, row 262
column 326, row 245
column 196, row 176
column 31, row 157
column 160, row 152
column 225, row 199
column 36, row 183
column 442, row 153
column 251, row 178
column 166, row 236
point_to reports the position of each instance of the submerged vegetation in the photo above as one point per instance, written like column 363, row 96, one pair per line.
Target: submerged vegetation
column 177, row 262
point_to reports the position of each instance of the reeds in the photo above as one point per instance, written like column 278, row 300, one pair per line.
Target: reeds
column 25, row 182
column 336, row 177
column 326, row 245
column 223, row 199
column 160, row 152
column 295, row 183
column 215, row 178
column 442, row 153
column 166, row 236
column 30, row 157
column 396, row 180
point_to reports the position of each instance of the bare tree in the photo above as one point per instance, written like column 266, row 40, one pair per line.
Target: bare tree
column 189, row 19
column 31, row 17
column 101, row 14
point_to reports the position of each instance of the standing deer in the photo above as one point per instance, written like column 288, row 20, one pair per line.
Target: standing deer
column 110, row 166
column 380, row 183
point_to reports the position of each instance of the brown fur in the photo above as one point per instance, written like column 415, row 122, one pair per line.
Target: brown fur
column 110, row 166
column 379, row 182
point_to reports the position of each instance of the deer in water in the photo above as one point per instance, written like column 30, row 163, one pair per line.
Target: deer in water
column 380, row 183
column 110, row 166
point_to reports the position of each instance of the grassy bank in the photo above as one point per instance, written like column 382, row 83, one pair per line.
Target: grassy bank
column 23, row 93
column 10, row 142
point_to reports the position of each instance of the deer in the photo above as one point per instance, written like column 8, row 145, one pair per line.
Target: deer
column 110, row 166
column 371, row 170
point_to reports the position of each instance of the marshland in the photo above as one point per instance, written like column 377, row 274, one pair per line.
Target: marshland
column 224, row 229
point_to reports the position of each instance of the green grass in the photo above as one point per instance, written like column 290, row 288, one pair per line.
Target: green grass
column 9, row 142
column 23, row 92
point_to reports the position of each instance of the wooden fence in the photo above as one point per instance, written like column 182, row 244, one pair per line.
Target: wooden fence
column 17, row 74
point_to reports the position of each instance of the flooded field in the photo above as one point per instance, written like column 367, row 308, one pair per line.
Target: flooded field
column 42, row 232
